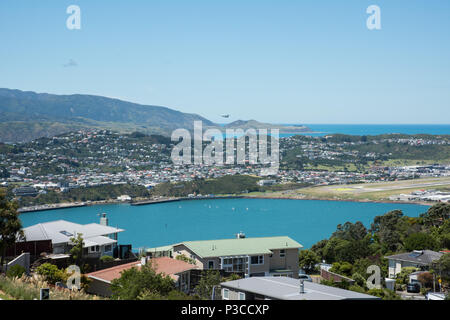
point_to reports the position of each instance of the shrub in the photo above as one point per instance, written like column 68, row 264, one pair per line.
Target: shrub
column 359, row 279
column 384, row 294
column 106, row 259
column 51, row 273
column 403, row 276
column 342, row 268
column 145, row 281
column 182, row 257
column 357, row 288
column 426, row 279
column 18, row 290
column 27, row 288
column 15, row 271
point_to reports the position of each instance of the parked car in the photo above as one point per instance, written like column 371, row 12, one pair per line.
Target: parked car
column 413, row 288
column 304, row 277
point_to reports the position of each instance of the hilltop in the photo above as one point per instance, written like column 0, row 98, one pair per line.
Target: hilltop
column 26, row 115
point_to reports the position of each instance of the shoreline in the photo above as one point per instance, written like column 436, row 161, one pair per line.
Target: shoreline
column 58, row 206
column 423, row 203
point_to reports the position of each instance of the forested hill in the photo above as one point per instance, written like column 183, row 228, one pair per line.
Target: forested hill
column 28, row 115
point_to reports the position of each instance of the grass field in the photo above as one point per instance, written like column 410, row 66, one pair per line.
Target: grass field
column 363, row 192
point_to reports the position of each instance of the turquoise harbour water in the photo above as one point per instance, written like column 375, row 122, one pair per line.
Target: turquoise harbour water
column 306, row 221
column 375, row 129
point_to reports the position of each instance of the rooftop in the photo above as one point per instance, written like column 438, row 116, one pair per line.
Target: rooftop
column 243, row 246
column 423, row 257
column 284, row 288
column 165, row 265
column 62, row 231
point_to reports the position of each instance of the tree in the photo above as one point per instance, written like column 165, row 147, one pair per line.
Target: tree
column 10, row 225
column 386, row 230
column 77, row 250
column 134, row 283
column 442, row 266
column 350, row 231
column 307, row 260
column 420, row 241
column 436, row 215
column 209, row 279
column 318, row 248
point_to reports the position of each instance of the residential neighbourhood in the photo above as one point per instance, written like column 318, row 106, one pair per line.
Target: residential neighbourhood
column 90, row 158
column 248, row 268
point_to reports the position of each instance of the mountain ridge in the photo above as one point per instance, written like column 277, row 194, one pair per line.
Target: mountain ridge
column 28, row 115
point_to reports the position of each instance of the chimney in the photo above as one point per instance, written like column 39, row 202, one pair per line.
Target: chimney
column 104, row 220
column 302, row 286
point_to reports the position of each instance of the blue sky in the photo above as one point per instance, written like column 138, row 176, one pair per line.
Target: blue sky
column 274, row 61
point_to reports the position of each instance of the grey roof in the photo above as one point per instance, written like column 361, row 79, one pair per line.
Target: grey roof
column 423, row 257
column 62, row 231
column 284, row 288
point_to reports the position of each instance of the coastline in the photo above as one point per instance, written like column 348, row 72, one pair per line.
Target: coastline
column 423, row 203
column 67, row 205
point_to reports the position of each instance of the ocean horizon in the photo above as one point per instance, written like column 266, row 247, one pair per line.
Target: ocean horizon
column 373, row 129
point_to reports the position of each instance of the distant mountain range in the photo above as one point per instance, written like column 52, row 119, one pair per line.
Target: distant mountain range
column 26, row 115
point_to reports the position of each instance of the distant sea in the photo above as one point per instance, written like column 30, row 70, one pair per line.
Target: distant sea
column 374, row 129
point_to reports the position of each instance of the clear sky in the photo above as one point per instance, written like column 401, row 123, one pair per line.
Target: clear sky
column 279, row 61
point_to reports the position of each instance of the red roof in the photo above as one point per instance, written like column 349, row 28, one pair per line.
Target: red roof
column 165, row 265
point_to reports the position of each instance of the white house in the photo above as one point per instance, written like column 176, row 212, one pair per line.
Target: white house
column 418, row 258
column 98, row 240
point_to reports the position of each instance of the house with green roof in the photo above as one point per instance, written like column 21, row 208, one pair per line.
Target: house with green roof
column 266, row 256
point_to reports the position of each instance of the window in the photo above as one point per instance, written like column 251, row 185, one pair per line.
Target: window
column 282, row 253
column 210, row 264
column 257, row 260
column 94, row 249
column 66, row 233
column 241, row 296
column 226, row 294
column 234, row 264
column 108, row 248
